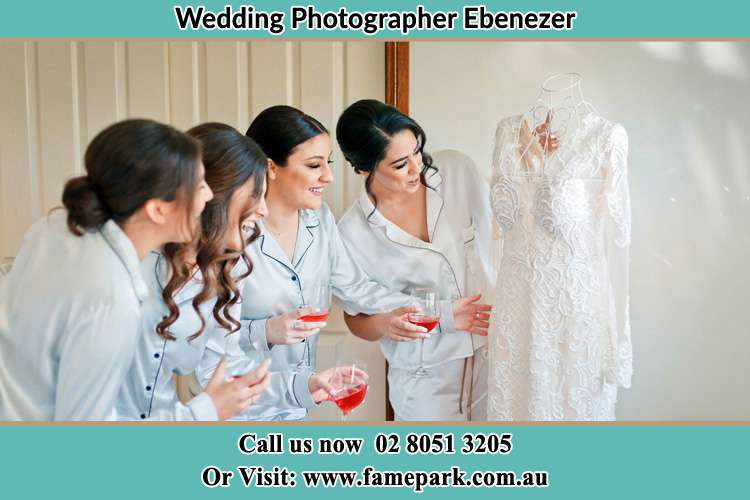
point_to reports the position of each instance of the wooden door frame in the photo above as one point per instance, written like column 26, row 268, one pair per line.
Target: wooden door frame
column 397, row 95
column 397, row 75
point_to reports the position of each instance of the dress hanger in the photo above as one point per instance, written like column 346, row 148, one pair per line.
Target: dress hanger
column 560, row 106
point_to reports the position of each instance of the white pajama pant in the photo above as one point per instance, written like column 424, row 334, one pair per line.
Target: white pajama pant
column 453, row 391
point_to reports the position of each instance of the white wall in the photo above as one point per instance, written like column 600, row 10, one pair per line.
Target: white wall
column 56, row 95
column 686, row 107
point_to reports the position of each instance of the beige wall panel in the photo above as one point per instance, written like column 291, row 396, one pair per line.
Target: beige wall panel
column 59, row 120
column 184, row 83
column 365, row 70
column 121, row 82
column 148, row 80
column 19, row 189
column 273, row 74
column 226, row 83
column 99, row 76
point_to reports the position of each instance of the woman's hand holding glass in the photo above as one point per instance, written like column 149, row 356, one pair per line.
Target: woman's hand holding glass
column 395, row 325
column 326, row 385
column 232, row 397
column 289, row 328
column 471, row 316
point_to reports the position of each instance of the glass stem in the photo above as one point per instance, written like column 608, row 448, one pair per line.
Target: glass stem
column 421, row 355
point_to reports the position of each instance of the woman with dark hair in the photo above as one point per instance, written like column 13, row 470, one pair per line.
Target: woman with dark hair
column 195, row 291
column 299, row 249
column 421, row 223
column 70, row 310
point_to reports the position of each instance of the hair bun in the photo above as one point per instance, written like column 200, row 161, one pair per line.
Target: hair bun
column 84, row 205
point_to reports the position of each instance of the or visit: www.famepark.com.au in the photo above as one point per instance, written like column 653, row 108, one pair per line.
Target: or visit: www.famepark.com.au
column 417, row 480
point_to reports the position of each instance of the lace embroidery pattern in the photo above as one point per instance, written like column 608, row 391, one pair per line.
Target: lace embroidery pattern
column 560, row 344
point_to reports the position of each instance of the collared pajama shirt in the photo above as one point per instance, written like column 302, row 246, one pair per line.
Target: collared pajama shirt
column 457, row 261
column 149, row 391
column 278, row 286
column 70, row 314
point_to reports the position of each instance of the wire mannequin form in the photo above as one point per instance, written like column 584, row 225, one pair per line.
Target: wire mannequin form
column 557, row 116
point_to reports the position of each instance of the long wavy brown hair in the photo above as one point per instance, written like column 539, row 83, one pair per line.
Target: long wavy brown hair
column 231, row 160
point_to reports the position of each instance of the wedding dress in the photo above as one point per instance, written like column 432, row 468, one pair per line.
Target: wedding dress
column 560, row 340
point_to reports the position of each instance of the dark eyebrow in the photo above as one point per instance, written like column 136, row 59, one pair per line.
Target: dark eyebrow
column 416, row 150
column 316, row 157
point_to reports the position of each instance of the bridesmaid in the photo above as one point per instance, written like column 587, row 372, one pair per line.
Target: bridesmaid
column 421, row 222
column 299, row 249
column 70, row 310
column 193, row 291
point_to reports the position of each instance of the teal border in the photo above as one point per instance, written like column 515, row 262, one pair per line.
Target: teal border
column 584, row 462
column 634, row 19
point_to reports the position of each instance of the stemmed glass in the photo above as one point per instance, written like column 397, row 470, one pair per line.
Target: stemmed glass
column 318, row 297
column 427, row 299
column 349, row 384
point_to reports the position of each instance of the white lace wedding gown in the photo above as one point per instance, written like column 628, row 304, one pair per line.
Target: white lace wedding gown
column 560, row 342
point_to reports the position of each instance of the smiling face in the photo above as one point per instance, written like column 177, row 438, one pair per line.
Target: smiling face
column 244, row 212
column 257, row 211
column 398, row 171
column 203, row 195
column 307, row 171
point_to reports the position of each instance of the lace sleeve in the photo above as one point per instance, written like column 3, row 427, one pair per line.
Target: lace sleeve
column 619, row 367
column 504, row 196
